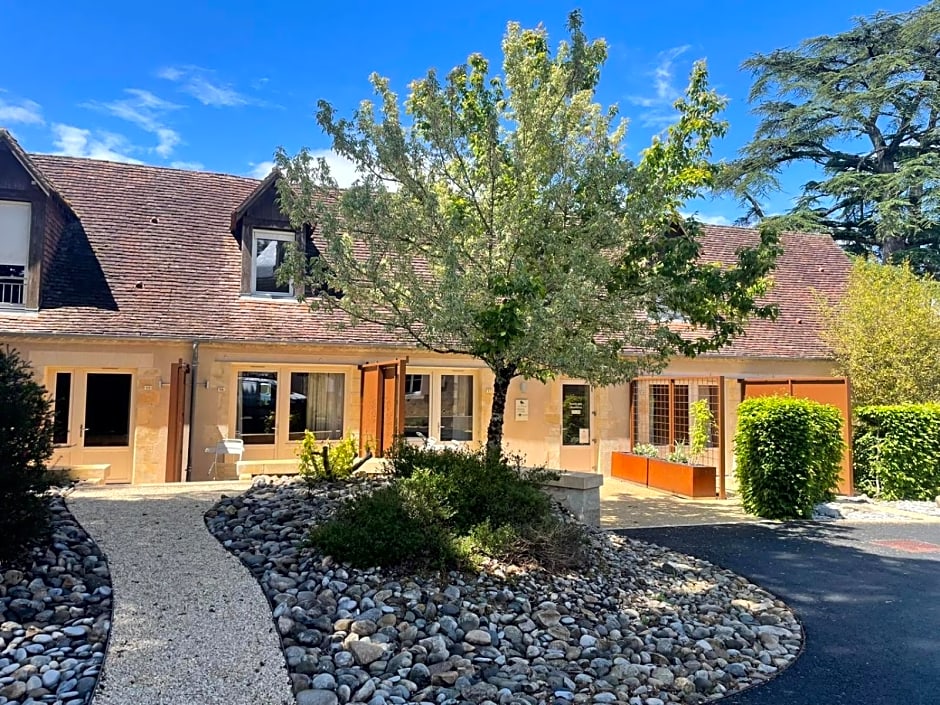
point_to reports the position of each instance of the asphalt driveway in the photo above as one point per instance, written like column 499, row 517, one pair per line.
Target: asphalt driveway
column 871, row 611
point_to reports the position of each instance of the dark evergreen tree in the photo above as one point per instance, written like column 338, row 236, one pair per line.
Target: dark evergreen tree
column 25, row 448
column 864, row 107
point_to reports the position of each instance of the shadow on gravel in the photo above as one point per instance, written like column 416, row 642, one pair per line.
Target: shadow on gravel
column 871, row 615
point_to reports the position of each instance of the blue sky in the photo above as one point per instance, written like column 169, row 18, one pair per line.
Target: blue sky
column 219, row 85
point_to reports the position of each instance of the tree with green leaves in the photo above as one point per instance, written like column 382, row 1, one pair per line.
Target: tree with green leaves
column 499, row 218
column 863, row 108
column 885, row 335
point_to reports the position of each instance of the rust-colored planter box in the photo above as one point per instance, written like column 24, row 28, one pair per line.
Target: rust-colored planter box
column 682, row 479
column 627, row 466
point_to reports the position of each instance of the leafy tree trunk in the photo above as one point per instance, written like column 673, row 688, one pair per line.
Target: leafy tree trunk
column 494, row 432
column 891, row 246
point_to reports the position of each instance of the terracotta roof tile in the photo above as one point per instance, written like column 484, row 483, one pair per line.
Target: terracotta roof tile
column 155, row 258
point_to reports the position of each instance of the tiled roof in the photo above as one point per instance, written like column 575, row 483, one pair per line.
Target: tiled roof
column 155, row 258
column 811, row 266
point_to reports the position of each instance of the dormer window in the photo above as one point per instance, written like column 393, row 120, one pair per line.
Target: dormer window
column 270, row 248
column 14, row 251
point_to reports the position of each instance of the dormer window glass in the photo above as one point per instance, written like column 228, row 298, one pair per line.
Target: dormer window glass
column 270, row 248
column 14, row 251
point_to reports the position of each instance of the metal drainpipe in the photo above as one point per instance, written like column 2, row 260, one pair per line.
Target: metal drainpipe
column 194, row 370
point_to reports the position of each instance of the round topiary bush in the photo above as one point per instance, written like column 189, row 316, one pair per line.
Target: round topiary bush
column 25, row 447
column 788, row 453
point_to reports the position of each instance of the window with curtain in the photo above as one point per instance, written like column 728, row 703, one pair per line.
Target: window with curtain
column 317, row 400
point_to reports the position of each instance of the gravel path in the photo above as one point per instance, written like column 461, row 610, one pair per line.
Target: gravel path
column 190, row 623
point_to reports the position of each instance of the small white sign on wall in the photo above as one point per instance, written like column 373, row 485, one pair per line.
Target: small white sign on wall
column 584, row 436
column 522, row 409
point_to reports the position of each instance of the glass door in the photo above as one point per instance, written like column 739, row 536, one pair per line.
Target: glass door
column 577, row 437
column 101, row 428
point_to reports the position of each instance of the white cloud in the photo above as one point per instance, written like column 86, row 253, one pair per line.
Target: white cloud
column 201, row 84
column 342, row 170
column 260, row 170
column 188, row 166
column 77, row 142
column 708, row 219
column 146, row 111
column 26, row 112
column 664, row 91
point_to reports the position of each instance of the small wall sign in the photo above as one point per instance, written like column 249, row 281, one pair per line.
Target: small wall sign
column 522, row 409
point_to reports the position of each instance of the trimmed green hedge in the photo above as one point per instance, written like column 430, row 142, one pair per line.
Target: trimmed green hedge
column 897, row 451
column 788, row 454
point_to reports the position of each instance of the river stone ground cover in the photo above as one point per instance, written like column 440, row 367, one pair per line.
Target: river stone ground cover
column 55, row 615
column 643, row 625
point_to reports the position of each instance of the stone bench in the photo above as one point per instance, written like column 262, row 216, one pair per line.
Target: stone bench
column 580, row 494
column 96, row 474
column 247, row 469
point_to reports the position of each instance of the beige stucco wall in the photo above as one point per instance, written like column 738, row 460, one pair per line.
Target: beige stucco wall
column 537, row 438
column 144, row 460
column 217, row 376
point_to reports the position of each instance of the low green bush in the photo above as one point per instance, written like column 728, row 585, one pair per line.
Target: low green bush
column 382, row 528
column 25, row 448
column 451, row 508
column 897, row 451
column 788, row 453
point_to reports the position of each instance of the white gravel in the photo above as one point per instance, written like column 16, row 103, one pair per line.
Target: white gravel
column 190, row 623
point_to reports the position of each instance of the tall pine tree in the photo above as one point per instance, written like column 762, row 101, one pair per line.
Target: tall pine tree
column 863, row 107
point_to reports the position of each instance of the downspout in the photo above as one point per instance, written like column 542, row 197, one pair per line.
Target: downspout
column 194, row 370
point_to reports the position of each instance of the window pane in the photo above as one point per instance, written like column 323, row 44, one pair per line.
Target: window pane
column 710, row 392
column 107, row 410
column 456, row 408
column 257, row 402
column 659, row 414
column 681, row 416
column 61, row 404
column 316, row 404
column 417, row 405
column 270, row 256
column 575, row 415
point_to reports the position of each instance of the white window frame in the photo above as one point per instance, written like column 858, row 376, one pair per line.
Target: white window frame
column 280, row 236
column 24, row 281
column 283, row 371
column 434, row 406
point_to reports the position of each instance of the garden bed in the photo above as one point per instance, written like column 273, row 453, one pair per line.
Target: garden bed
column 685, row 479
column 640, row 621
column 55, row 617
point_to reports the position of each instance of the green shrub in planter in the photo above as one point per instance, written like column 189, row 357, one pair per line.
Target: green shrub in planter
column 25, row 448
column 646, row 450
column 897, row 451
column 788, row 453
